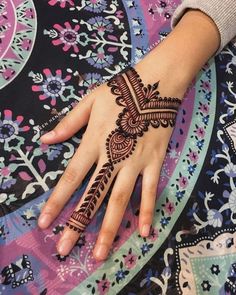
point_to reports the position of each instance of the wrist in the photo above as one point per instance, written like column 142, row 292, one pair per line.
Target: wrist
column 161, row 66
column 177, row 60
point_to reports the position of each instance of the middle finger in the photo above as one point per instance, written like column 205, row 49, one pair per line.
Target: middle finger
column 117, row 204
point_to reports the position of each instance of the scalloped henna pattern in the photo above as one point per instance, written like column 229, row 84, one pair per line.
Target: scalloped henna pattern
column 140, row 110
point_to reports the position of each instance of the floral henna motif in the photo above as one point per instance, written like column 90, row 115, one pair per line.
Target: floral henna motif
column 142, row 107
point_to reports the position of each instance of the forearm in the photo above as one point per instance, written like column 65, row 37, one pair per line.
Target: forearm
column 181, row 55
column 223, row 14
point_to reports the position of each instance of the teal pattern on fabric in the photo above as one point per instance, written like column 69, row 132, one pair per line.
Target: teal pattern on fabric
column 210, row 273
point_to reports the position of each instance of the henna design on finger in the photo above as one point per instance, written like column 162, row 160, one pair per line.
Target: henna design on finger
column 142, row 107
column 82, row 217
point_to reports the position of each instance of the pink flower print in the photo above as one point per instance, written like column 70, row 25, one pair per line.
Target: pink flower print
column 9, row 128
column 67, row 36
column 120, row 14
column 5, row 171
column 26, row 44
column 44, row 147
column 154, row 233
column 6, row 180
column 169, row 208
column 206, row 85
column 53, row 86
column 99, row 59
column 183, row 182
column 100, row 24
column 200, row 132
column 8, row 73
column 130, row 260
column 29, row 13
column 62, row 3
column 193, row 156
column 204, row 108
column 103, row 286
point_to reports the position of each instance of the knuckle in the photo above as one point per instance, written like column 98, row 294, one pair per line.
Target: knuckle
column 149, row 191
column 51, row 207
column 155, row 154
column 107, row 234
column 70, row 175
column 119, row 199
column 158, row 153
column 147, row 213
column 140, row 150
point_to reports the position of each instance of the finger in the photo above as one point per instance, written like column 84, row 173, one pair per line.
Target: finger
column 150, row 180
column 73, row 175
column 71, row 123
column 87, row 206
column 117, row 204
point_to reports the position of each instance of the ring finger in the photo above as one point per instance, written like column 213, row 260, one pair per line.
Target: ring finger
column 150, row 180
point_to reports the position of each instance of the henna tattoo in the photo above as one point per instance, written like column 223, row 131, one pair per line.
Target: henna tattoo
column 142, row 107
column 81, row 218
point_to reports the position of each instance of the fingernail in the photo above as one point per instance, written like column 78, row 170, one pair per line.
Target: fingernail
column 49, row 135
column 65, row 246
column 101, row 252
column 145, row 230
column 44, row 220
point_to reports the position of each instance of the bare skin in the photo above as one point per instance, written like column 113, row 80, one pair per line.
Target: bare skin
column 173, row 63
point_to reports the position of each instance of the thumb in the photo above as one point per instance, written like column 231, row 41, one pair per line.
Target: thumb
column 71, row 123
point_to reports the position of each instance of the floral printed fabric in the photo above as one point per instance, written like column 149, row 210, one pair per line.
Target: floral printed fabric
column 52, row 53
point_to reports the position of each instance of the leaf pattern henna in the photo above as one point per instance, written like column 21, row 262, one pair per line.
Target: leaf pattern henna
column 81, row 218
column 142, row 107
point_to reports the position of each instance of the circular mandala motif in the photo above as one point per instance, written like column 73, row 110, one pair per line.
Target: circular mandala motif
column 130, row 126
column 18, row 27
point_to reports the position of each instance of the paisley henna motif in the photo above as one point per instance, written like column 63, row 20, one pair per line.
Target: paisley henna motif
column 142, row 107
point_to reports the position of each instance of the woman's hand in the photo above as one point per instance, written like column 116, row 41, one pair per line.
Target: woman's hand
column 129, row 127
